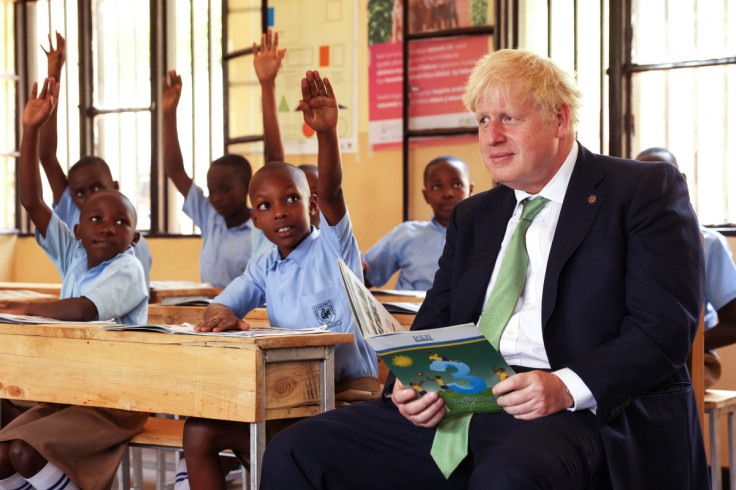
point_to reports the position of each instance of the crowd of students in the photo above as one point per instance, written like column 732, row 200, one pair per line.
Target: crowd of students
column 280, row 251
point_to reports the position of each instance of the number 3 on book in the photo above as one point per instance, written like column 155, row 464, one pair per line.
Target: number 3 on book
column 477, row 385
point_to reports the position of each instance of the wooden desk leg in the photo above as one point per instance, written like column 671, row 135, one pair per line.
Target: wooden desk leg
column 125, row 470
column 731, row 454
column 257, row 448
column 327, row 381
column 715, row 450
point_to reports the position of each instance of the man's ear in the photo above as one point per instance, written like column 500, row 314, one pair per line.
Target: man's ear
column 136, row 237
column 563, row 120
column 76, row 232
column 254, row 219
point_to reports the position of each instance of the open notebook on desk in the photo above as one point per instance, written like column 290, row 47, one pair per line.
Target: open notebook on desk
column 188, row 329
column 39, row 320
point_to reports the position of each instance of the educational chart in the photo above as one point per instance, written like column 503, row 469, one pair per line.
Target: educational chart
column 314, row 34
column 438, row 68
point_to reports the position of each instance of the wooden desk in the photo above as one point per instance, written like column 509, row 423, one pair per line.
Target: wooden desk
column 178, row 289
column 26, row 296
column 247, row 380
column 39, row 287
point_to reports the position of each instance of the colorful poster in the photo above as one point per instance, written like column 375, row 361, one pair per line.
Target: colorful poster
column 438, row 68
column 333, row 53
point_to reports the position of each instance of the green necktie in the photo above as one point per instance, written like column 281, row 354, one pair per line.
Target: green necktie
column 450, row 445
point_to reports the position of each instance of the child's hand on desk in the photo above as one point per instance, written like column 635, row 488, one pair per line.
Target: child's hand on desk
column 14, row 307
column 218, row 318
column 318, row 103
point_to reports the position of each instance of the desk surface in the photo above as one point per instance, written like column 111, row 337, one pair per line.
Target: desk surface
column 205, row 376
column 39, row 287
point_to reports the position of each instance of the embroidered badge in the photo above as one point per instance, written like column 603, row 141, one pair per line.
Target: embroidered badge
column 592, row 199
column 325, row 313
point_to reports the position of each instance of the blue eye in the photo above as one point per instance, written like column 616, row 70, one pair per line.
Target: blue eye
column 508, row 118
column 483, row 120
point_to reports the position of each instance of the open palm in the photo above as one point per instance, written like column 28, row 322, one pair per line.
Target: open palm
column 39, row 106
column 318, row 103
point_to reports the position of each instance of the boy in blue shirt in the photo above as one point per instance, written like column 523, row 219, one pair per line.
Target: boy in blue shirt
column 299, row 281
column 414, row 247
column 66, row 446
column 87, row 176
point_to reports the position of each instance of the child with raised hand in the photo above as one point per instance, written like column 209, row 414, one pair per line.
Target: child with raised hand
column 61, row 446
column 267, row 61
column 228, row 236
column 414, row 247
column 299, row 281
column 87, row 176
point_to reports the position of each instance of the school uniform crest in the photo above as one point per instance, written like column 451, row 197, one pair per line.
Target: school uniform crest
column 325, row 313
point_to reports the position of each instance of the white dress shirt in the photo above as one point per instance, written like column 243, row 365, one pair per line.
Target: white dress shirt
column 522, row 343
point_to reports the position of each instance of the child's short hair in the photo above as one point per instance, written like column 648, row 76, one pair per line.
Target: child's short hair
column 300, row 178
column 449, row 159
column 239, row 163
column 89, row 161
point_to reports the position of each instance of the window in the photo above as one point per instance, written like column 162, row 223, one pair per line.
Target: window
column 128, row 47
column 9, row 81
column 680, row 84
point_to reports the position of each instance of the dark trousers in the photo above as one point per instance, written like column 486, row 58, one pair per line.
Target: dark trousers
column 371, row 445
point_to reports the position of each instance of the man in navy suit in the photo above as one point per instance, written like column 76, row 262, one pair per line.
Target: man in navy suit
column 599, row 336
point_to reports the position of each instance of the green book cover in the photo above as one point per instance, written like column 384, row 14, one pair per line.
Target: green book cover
column 456, row 362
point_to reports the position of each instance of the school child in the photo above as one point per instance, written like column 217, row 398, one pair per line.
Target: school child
column 87, row 176
column 299, row 281
column 414, row 247
column 61, row 446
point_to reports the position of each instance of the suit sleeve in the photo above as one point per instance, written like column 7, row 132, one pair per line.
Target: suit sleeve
column 661, row 287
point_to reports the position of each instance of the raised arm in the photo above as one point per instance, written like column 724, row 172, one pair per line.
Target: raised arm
column 37, row 111
column 172, row 151
column 49, row 132
column 319, row 106
column 267, row 62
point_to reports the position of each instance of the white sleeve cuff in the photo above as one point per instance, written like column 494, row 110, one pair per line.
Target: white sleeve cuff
column 582, row 397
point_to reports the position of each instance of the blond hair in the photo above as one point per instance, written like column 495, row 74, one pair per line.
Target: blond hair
column 546, row 83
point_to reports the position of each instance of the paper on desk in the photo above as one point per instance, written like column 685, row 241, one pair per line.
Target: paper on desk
column 36, row 320
column 188, row 329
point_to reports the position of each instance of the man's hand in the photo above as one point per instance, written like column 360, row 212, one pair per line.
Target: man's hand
column 172, row 93
column 40, row 106
column 318, row 103
column 532, row 395
column 55, row 57
column 425, row 411
column 218, row 318
column 267, row 59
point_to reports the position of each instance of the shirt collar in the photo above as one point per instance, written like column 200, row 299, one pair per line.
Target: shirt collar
column 437, row 224
column 557, row 186
column 299, row 255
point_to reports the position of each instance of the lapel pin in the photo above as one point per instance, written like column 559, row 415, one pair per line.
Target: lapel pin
column 592, row 199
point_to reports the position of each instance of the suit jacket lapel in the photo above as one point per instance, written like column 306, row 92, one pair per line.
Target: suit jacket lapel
column 580, row 207
column 491, row 224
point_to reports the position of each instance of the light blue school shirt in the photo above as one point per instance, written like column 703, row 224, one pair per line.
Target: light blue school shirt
column 225, row 251
column 413, row 248
column 117, row 286
column 68, row 212
column 720, row 274
column 305, row 290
